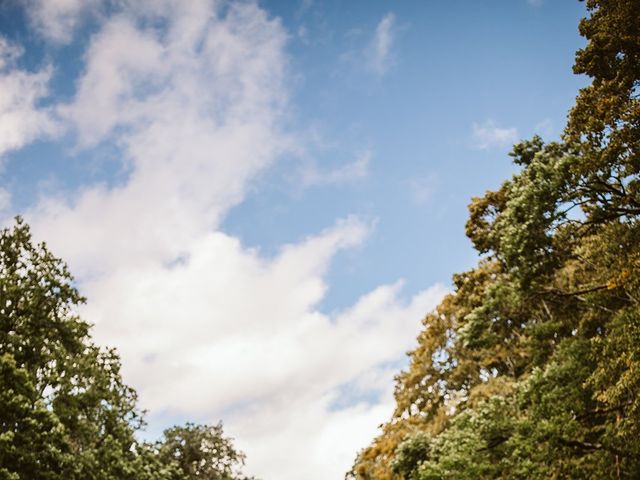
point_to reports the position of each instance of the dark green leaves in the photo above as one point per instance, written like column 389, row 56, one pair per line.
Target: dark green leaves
column 65, row 412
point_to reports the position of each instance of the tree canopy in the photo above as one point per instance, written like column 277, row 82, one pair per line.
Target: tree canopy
column 531, row 367
column 65, row 412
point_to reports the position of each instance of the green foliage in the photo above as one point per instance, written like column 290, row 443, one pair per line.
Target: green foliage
column 410, row 454
column 200, row 452
column 531, row 368
column 32, row 443
column 65, row 412
column 58, row 371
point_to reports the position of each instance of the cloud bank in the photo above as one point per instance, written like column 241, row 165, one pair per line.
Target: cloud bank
column 193, row 96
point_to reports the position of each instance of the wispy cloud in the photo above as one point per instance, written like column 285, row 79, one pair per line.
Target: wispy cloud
column 5, row 200
column 303, row 8
column 56, row 20
column 21, row 119
column 350, row 172
column 379, row 51
column 544, row 128
column 422, row 188
column 488, row 134
column 535, row 3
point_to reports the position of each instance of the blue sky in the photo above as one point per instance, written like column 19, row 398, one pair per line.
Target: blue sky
column 449, row 68
column 262, row 200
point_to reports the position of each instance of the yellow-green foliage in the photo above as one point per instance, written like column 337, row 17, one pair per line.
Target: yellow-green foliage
column 531, row 368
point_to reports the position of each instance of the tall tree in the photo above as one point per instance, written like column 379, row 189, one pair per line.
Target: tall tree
column 57, row 370
column 531, row 368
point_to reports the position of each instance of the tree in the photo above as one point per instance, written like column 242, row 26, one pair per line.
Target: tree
column 65, row 412
column 531, row 368
column 200, row 452
column 53, row 371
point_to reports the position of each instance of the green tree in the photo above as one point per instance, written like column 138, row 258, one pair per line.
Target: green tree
column 32, row 443
column 65, row 412
column 54, row 371
column 200, row 452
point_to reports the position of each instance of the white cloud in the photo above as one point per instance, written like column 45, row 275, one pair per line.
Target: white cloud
column 354, row 345
column 9, row 53
column 544, row 128
column 379, row 51
column 56, row 20
column 488, row 135
column 350, row 172
column 195, row 110
column 307, row 428
column 206, row 327
column 229, row 330
column 535, row 3
column 21, row 118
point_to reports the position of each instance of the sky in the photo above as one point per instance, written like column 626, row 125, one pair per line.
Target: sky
column 262, row 200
